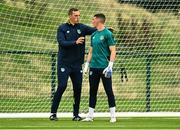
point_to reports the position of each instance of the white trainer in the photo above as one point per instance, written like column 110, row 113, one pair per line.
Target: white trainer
column 88, row 119
column 113, row 120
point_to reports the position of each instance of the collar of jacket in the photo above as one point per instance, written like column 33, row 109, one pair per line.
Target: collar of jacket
column 69, row 23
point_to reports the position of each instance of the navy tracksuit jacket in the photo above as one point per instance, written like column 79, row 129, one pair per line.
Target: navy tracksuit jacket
column 70, row 60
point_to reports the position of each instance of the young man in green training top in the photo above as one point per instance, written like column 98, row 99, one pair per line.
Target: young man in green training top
column 101, row 57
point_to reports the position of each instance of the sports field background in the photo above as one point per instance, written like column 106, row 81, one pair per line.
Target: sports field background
column 26, row 78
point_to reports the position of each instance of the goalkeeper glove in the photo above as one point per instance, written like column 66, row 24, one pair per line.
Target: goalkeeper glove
column 108, row 70
column 86, row 67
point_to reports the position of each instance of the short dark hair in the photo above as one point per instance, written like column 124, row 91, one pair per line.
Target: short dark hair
column 101, row 16
column 71, row 10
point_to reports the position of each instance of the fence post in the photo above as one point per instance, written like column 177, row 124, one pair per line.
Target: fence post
column 148, row 82
column 53, row 75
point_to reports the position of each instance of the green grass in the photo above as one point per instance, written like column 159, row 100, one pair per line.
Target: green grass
column 99, row 123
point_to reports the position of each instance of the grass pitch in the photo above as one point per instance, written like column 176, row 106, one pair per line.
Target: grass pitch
column 99, row 123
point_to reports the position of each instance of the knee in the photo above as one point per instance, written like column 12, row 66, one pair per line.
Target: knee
column 77, row 84
column 93, row 94
column 61, row 88
column 77, row 87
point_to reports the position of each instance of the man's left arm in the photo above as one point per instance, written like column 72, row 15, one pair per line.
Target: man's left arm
column 113, row 53
column 89, row 30
column 111, row 43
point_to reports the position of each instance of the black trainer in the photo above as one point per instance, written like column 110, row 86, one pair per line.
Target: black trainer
column 53, row 117
column 77, row 118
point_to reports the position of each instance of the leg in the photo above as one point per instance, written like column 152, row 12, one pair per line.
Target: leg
column 94, row 79
column 107, row 83
column 76, row 77
column 63, row 74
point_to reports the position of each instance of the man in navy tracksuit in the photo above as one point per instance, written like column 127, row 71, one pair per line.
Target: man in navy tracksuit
column 71, row 39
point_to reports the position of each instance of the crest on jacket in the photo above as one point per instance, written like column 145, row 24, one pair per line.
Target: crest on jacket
column 78, row 31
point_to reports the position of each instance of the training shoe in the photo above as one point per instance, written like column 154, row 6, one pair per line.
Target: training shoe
column 53, row 117
column 88, row 119
column 113, row 120
column 76, row 118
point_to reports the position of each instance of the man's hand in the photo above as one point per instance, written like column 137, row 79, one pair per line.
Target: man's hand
column 80, row 40
column 108, row 70
column 86, row 68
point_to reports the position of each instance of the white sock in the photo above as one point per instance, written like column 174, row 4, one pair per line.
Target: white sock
column 113, row 112
column 91, row 112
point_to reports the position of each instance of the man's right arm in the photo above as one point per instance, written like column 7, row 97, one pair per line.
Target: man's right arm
column 65, row 43
column 89, row 30
column 89, row 57
column 61, row 38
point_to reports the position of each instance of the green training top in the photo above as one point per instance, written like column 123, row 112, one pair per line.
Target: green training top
column 100, row 42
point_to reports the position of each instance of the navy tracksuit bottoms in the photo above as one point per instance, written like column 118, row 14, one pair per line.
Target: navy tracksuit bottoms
column 95, row 74
column 64, row 72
